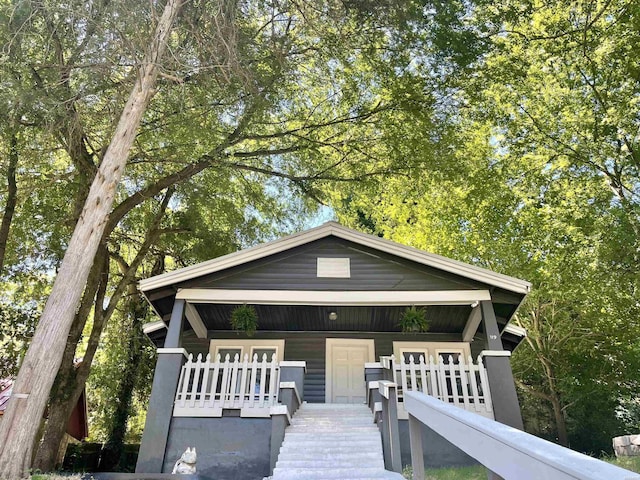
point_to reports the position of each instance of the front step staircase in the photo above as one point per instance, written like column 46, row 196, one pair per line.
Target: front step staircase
column 328, row 441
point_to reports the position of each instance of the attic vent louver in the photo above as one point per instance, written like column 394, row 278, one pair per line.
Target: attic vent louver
column 334, row 268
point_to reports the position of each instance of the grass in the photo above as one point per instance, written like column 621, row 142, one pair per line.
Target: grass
column 630, row 463
column 478, row 472
column 56, row 476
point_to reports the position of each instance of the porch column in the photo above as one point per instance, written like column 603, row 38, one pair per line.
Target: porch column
column 506, row 408
column 163, row 391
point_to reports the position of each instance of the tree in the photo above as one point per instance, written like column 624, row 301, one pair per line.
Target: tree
column 294, row 95
column 18, row 431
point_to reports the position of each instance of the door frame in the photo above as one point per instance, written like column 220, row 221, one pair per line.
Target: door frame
column 330, row 343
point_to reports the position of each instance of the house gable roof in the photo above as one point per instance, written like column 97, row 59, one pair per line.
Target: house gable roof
column 225, row 262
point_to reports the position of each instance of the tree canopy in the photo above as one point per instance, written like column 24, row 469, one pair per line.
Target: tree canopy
column 503, row 134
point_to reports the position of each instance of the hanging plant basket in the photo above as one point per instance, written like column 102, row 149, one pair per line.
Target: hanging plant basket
column 244, row 319
column 414, row 320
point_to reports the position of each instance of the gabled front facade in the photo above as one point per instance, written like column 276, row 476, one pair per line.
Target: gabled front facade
column 329, row 302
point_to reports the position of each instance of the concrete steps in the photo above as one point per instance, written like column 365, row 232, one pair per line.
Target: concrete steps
column 332, row 442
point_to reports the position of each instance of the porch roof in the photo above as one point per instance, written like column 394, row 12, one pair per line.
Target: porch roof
column 283, row 280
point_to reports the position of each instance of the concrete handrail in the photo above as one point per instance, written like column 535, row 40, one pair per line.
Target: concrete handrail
column 504, row 450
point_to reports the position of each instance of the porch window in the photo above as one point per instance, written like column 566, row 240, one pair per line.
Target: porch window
column 241, row 348
column 403, row 350
column 231, row 351
column 249, row 347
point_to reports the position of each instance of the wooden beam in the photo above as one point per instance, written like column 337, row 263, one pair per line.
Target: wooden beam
column 195, row 320
column 333, row 298
column 472, row 325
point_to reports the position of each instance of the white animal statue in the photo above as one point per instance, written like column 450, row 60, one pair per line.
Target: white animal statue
column 186, row 464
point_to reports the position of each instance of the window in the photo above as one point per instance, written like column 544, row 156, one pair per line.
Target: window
column 262, row 351
column 247, row 347
column 231, row 351
column 435, row 349
column 233, row 347
column 417, row 354
column 448, row 355
column 404, row 350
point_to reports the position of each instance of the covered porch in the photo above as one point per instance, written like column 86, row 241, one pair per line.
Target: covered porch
column 329, row 303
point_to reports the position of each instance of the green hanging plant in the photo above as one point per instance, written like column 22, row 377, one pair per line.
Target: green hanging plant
column 414, row 320
column 244, row 319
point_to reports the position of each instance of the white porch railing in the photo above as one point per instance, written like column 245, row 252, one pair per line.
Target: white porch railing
column 206, row 388
column 505, row 451
column 463, row 384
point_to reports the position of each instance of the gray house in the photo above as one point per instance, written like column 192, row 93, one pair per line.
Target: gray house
column 329, row 302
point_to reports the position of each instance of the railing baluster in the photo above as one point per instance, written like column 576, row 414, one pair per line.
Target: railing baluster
column 403, row 375
column 474, row 385
column 196, row 379
column 205, row 378
column 412, row 372
column 179, row 393
column 272, row 398
column 435, row 390
column 423, row 376
column 243, row 380
column 484, row 382
column 252, row 385
column 395, row 370
column 233, row 391
column 263, row 379
column 186, row 377
column 454, row 383
column 442, row 376
column 214, row 383
column 463, row 382
column 224, row 389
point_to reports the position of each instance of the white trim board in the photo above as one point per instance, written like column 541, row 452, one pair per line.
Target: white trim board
column 334, row 229
column 332, row 298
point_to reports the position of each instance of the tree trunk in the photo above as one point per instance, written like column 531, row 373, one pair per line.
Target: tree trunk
column 19, row 427
column 561, row 424
column 67, row 387
column 112, row 452
column 70, row 382
column 12, row 196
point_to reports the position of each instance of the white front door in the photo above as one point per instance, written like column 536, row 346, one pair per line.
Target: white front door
column 345, row 369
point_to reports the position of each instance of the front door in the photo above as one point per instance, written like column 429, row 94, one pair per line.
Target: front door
column 345, row 369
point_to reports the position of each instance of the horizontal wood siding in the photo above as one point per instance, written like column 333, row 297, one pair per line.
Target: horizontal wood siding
column 311, row 349
column 295, row 269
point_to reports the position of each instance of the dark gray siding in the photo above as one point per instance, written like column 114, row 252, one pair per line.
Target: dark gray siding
column 295, row 269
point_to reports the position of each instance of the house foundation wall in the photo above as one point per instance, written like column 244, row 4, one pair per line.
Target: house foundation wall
column 228, row 448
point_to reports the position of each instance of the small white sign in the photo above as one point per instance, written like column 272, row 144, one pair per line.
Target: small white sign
column 334, row 268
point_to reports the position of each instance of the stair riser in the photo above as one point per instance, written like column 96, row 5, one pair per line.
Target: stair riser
column 338, row 457
column 331, row 442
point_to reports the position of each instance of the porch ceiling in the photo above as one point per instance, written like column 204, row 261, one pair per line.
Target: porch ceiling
column 442, row 318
